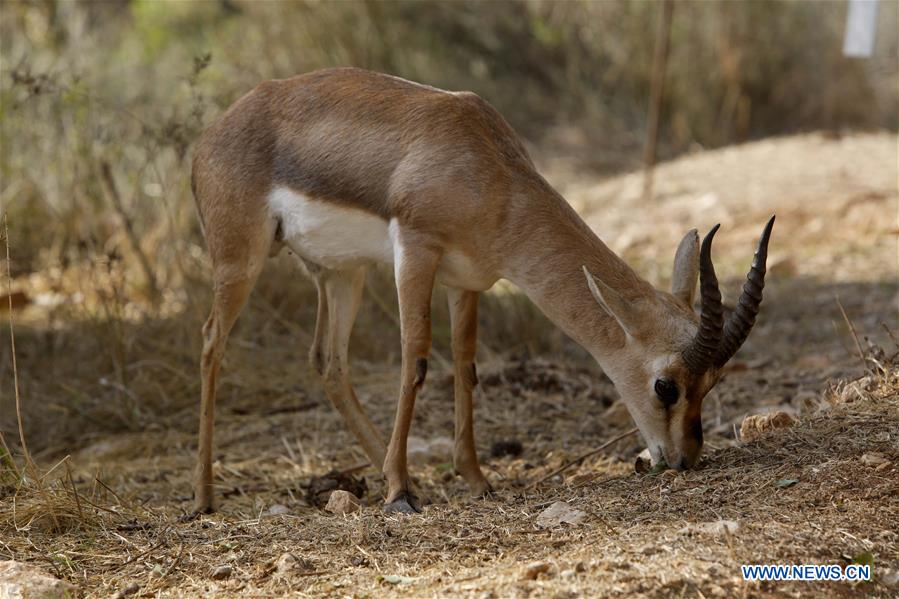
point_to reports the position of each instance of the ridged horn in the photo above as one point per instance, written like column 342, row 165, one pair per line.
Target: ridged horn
column 705, row 345
column 742, row 319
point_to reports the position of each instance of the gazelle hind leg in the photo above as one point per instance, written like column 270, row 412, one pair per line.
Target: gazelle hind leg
column 463, row 308
column 228, row 301
column 342, row 297
column 318, row 353
column 415, row 272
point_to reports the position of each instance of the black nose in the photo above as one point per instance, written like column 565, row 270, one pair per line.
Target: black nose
column 682, row 464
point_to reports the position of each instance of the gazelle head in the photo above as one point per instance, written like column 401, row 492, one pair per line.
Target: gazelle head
column 672, row 356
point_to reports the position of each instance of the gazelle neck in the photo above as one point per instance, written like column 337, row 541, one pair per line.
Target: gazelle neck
column 546, row 260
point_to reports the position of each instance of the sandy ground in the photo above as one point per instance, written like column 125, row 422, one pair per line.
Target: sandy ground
column 836, row 238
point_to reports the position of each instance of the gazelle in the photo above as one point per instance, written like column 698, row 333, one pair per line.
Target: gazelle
column 349, row 168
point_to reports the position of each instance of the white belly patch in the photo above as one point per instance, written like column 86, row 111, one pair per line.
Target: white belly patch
column 337, row 237
column 328, row 234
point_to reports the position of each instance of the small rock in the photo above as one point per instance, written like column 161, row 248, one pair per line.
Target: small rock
column 221, row 572
column 889, row 578
column 285, row 564
column 567, row 574
column 721, row 528
column 560, row 513
column 874, row 458
column 321, row 487
column 342, row 502
column 128, row 590
column 288, row 563
column 758, row 425
column 278, row 509
column 24, row 581
column 534, row 570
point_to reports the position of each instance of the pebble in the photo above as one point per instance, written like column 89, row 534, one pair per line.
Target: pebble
column 342, row 502
column 560, row 513
column 18, row 579
column 874, row 458
column 288, row 563
column 278, row 509
column 221, row 572
column 889, row 578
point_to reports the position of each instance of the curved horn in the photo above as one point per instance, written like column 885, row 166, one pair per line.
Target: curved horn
column 743, row 318
column 705, row 345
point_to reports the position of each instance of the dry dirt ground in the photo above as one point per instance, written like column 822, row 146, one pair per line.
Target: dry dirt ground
column 823, row 491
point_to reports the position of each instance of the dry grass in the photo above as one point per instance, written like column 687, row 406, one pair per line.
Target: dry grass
column 117, row 389
column 633, row 541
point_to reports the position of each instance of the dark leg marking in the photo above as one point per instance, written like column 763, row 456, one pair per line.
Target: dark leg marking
column 421, row 371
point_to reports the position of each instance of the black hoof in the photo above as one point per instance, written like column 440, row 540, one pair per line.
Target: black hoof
column 404, row 504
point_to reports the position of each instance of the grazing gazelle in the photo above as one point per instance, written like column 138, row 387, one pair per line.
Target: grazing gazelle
column 348, row 168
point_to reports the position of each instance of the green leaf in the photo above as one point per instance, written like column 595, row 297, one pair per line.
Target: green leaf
column 864, row 559
column 785, row 483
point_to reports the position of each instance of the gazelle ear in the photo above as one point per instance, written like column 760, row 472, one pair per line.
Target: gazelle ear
column 626, row 313
column 686, row 269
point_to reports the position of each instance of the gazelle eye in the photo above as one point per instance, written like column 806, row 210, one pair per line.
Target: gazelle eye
column 667, row 391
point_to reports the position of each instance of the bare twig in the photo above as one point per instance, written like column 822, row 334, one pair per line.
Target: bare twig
column 858, row 346
column 116, row 200
column 657, row 91
column 581, row 458
column 74, row 491
column 890, row 333
column 12, row 343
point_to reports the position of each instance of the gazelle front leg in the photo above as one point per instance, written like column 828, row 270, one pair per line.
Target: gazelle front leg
column 463, row 307
column 415, row 268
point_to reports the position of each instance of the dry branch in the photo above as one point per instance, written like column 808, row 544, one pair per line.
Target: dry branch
column 115, row 199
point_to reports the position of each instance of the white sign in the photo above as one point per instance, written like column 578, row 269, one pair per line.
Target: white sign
column 861, row 23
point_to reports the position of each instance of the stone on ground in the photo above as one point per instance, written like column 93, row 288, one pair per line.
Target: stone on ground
column 342, row 502
column 560, row 513
column 24, row 581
